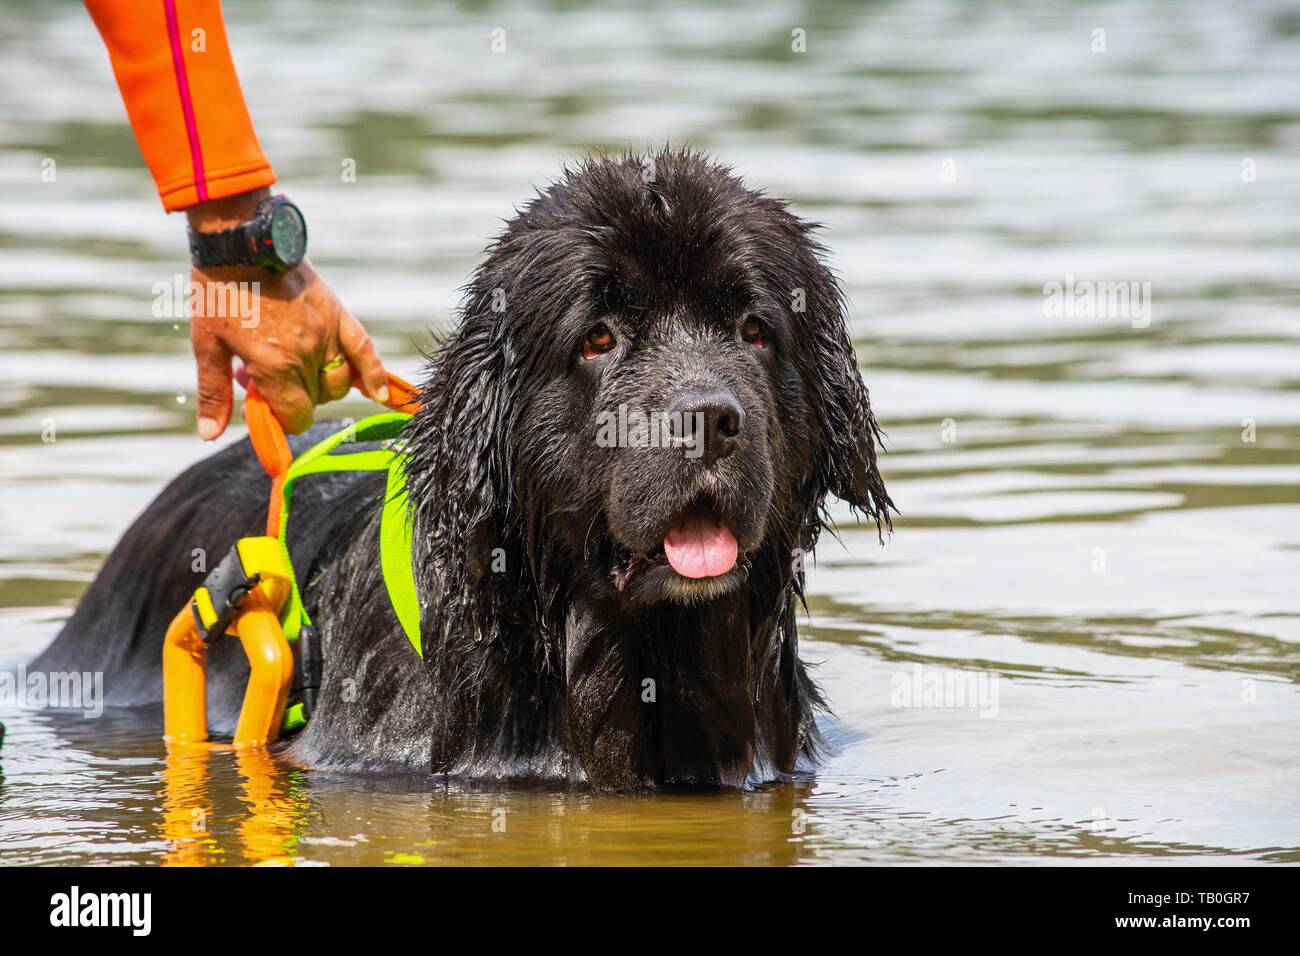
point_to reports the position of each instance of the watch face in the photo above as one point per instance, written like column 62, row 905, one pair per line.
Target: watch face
column 288, row 234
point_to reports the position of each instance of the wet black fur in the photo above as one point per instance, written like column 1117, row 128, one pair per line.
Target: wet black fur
column 535, row 663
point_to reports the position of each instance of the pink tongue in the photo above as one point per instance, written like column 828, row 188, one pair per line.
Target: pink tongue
column 698, row 548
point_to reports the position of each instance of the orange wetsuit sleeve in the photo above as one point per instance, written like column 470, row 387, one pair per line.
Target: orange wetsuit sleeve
column 173, row 66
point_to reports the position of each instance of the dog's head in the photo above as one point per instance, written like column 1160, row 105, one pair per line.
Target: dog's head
column 655, row 370
column 631, row 435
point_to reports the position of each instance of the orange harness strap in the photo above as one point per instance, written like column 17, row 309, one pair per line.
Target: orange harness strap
column 272, row 448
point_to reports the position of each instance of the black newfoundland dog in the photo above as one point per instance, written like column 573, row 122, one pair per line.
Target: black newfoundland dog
column 616, row 612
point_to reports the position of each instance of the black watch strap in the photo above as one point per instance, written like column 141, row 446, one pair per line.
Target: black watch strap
column 235, row 246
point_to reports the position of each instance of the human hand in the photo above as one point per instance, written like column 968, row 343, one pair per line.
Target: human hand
column 298, row 343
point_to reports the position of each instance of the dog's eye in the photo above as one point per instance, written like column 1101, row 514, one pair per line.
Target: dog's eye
column 751, row 330
column 597, row 342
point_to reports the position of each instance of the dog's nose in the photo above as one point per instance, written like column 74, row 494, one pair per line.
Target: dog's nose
column 711, row 424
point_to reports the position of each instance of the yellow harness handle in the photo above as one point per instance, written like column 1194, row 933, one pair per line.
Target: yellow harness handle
column 256, row 623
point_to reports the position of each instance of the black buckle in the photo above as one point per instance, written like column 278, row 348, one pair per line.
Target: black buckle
column 227, row 586
column 308, row 665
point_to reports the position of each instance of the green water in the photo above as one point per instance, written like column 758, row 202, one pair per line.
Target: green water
column 1100, row 539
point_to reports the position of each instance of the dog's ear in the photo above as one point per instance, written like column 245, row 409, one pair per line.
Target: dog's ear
column 850, row 467
column 458, row 454
column 465, row 439
column 847, row 464
column 837, row 404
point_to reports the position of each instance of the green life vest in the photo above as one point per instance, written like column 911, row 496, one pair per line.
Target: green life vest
column 394, row 525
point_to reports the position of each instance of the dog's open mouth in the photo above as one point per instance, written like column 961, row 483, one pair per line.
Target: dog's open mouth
column 698, row 546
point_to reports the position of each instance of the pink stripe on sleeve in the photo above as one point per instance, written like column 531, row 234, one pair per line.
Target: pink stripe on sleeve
column 187, row 104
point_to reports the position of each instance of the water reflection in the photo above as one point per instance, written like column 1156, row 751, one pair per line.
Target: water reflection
column 186, row 808
column 268, row 812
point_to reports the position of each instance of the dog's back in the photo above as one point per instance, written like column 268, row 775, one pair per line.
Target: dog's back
column 151, row 573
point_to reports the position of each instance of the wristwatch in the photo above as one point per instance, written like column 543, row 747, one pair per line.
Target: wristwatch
column 276, row 238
